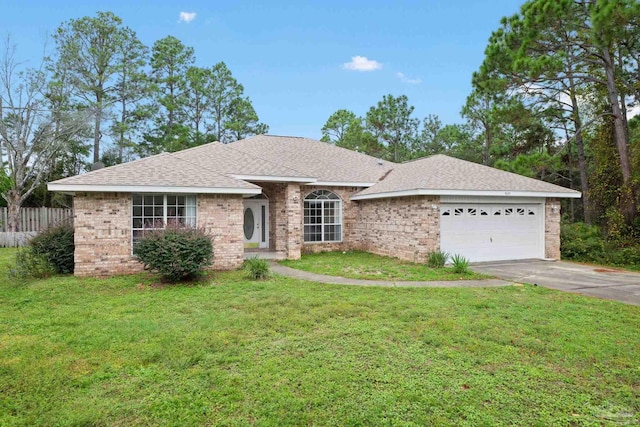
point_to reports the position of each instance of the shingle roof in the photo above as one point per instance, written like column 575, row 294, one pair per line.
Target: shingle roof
column 323, row 161
column 162, row 170
column 440, row 174
column 218, row 168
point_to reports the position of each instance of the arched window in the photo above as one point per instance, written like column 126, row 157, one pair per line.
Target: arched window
column 322, row 217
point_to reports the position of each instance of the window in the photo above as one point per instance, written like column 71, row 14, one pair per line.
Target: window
column 322, row 217
column 155, row 211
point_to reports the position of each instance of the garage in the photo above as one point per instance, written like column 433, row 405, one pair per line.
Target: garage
column 492, row 232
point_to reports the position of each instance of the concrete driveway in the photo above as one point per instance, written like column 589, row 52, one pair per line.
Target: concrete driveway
column 601, row 282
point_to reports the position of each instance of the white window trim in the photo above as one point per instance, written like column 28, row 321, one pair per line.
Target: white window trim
column 338, row 201
column 164, row 212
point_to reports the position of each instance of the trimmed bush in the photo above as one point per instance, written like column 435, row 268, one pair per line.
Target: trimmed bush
column 55, row 244
column 437, row 259
column 257, row 269
column 176, row 253
column 460, row 264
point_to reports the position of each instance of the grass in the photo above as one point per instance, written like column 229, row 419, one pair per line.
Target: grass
column 283, row 352
column 365, row 265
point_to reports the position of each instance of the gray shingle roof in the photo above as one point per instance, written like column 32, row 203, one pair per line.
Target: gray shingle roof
column 440, row 174
column 217, row 167
column 323, row 161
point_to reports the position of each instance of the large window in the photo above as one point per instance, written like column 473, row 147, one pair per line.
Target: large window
column 322, row 217
column 155, row 211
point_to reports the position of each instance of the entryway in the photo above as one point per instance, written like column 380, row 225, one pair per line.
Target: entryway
column 256, row 223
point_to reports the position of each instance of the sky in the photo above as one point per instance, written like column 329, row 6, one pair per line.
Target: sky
column 299, row 61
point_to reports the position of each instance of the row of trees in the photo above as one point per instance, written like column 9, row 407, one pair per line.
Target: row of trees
column 103, row 95
column 551, row 100
column 390, row 130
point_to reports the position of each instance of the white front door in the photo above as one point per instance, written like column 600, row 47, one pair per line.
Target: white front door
column 256, row 224
column 492, row 232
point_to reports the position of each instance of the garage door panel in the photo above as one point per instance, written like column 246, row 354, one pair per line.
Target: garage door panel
column 492, row 232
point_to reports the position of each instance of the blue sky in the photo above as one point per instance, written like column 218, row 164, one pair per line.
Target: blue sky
column 291, row 55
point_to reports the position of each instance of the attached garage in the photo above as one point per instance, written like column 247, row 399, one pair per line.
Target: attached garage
column 459, row 207
column 493, row 231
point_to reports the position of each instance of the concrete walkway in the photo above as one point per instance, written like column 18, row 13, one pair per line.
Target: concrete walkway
column 305, row 275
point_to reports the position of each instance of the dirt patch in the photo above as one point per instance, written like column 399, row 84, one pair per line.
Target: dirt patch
column 606, row 270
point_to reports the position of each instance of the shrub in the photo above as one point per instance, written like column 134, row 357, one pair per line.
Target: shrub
column 460, row 264
column 55, row 244
column 176, row 253
column 579, row 241
column 437, row 259
column 257, row 269
column 30, row 265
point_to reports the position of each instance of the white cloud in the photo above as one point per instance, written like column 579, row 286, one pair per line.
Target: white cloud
column 405, row 79
column 187, row 17
column 362, row 63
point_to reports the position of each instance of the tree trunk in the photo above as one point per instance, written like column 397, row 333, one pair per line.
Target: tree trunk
column 628, row 198
column 582, row 162
column 487, row 143
column 96, row 131
column 123, row 119
column 13, row 211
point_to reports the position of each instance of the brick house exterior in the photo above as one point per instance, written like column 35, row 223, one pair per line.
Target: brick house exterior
column 372, row 205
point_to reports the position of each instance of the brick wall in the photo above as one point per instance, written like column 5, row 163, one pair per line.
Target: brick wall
column 220, row 215
column 552, row 229
column 103, row 234
column 406, row 227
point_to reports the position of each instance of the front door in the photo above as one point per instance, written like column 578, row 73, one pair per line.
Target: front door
column 256, row 224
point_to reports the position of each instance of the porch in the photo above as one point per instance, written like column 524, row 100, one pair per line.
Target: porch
column 264, row 254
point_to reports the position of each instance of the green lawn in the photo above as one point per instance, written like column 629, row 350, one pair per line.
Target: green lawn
column 284, row 352
column 365, row 265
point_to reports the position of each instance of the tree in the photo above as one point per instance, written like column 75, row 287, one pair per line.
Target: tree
column 30, row 133
column 337, row 125
column 480, row 110
column 344, row 129
column 131, row 88
column 391, row 123
column 197, row 102
column 429, row 141
column 561, row 48
column 170, row 60
column 243, row 120
column 89, row 50
column 224, row 91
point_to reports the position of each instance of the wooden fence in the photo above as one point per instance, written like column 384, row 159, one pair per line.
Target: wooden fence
column 32, row 221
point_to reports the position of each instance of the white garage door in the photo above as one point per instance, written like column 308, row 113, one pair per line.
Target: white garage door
column 492, row 232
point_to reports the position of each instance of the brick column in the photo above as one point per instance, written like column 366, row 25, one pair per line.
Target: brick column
column 552, row 229
column 293, row 213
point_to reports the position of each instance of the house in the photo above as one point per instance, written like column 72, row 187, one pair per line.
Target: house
column 289, row 195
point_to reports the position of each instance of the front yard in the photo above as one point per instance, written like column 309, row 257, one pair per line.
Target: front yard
column 228, row 351
column 368, row 266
